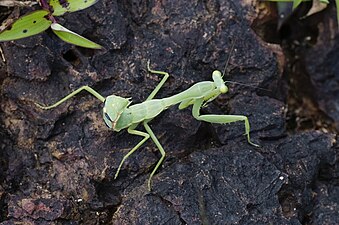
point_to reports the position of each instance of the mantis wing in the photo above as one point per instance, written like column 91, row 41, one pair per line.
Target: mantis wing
column 27, row 25
column 72, row 38
column 60, row 7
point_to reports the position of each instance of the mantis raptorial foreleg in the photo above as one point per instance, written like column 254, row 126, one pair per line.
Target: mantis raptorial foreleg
column 221, row 119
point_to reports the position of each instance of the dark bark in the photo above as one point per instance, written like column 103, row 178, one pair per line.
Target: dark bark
column 57, row 166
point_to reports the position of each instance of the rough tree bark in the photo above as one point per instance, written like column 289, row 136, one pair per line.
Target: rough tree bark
column 57, row 166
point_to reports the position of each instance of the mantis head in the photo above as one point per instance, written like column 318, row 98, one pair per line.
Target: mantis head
column 219, row 82
column 114, row 106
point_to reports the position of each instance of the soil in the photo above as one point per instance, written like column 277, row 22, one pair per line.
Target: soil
column 58, row 166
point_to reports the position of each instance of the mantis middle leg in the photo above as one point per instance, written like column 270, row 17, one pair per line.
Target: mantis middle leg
column 146, row 137
column 221, row 119
column 149, row 133
column 135, row 132
column 158, row 87
column 161, row 149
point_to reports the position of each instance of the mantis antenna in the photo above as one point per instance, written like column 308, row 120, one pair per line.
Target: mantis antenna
column 247, row 85
column 234, row 82
column 228, row 59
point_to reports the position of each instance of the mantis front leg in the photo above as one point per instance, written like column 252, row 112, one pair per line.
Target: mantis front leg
column 221, row 119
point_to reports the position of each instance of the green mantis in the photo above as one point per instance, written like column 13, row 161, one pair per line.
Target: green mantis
column 118, row 113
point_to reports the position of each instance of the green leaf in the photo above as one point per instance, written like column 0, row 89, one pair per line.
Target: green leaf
column 296, row 3
column 60, row 7
column 73, row 38
column 27, row 25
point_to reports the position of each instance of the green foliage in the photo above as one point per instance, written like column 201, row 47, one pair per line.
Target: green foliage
column 28, row 25
column 40, row 20
column 71, row 37
column 296, row 3
column 70, row 6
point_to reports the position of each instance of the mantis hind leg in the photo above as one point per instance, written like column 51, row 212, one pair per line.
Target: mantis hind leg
column 163, row 80
column 135, row 132
column 222, row 119
column 84, row 88
column 161, row 149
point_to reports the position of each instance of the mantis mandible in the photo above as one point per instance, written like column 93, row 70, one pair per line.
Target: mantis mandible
column 118, row 113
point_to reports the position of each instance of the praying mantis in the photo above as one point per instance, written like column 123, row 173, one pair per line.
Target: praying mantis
column 118, row 113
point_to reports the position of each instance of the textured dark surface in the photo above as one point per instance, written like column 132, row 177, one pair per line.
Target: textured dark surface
column 322, row 66
column 57, row 166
